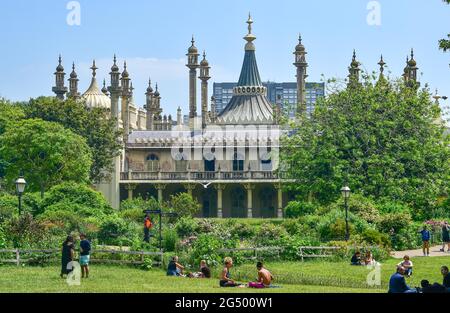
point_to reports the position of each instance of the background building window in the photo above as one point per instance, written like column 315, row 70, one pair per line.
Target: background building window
column 152, row 162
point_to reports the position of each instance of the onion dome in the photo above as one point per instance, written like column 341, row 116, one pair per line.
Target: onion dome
column 115, row 68
column 60, row 68
column 406, row 69
column 204, row 62
column 73, row 74
column 300, row 47
column 125, row 73
column 354, row 63
column 412, row 62
column 149, row 88
column 94, row 97
column 104, row 89
column 157, row 92
column 193, row 48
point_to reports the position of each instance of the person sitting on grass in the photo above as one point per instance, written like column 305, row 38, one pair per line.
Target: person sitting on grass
column 397, row 283
column 356, row 258
column 434, row 288
column 264, row 277
column 174, row 268
column 369, row 260
column 85, row 251
column 205, row 271
column 225, row 276
column 407, row 264
column 446, row 275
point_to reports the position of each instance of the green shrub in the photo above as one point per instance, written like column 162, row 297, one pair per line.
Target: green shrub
column 24, row 231
column 8, row 207
column 299, row 227
column 372, row 236
column 242, row 230
column 206, row 248
column 360, row 206
column 269, row 234
column 132, row 209
column 3, row 238
column 332, row 225
column 116, row 231
column 184, row 205
column 170, row 239
column 296, row 209
column 394, row 222
column 186, row 226
column 68, row 195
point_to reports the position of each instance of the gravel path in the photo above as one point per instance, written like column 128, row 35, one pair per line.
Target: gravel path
column 434, row 251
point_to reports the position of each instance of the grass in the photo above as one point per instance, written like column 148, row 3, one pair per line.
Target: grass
column 294, row 277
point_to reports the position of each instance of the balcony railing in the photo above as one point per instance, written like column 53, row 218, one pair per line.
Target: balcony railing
column 202, row 176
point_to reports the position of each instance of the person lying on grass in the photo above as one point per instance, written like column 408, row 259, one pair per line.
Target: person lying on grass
column 356, row 258
column 205, row 271
column 264, row 277
column 225, row 276
column 175, row 268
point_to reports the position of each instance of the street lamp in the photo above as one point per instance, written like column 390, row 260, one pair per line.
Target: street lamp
column 20, row 188
column 346, row 194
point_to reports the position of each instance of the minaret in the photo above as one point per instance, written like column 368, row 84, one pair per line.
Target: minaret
column 192, row 65
column 59, row 89
column 382, row 64
column 204, row 77
column 412, row 71
column 213, row 113
column 115, row 90
column 353, row 77
column 73, row 84
column 126, row 94
column 157, row 101
column 301, row 65
column 149, row 105
column 179, row 117
column 406, row 70
column 104, row 89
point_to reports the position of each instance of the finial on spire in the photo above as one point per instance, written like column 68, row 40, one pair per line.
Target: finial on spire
column 60, row 59
column 193, row 40
column 249, row 37
column 381, row 64
column 354, row 55
column 299, row 38
column 94, row 69
column 412, row 53
column 249, row 22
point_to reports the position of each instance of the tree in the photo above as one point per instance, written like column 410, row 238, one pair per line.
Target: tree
column 92, row 124
column 9, row 113
column 384, row 140
column 444, row 44
column 46, row 153
column 184, row 205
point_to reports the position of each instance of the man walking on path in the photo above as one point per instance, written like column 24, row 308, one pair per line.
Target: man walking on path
column 445, row 237
column 425, row 240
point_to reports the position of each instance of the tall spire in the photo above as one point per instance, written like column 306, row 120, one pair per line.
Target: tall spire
column 411, row 77
column 204, row 77
column 353, row 77
column 104, row 89
column 94, row 69
column 249, row 73
column 382, row 64
column 192, row 64
column 301, row 65
column 59, row 89
column 73, row 84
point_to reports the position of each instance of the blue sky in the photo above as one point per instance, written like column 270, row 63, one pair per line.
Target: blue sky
column 153, row 37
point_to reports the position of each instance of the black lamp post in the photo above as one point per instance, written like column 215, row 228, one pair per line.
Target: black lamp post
column 346, row 194
column 20, row 188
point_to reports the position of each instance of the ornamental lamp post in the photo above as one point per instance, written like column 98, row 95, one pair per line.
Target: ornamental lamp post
column 346, row 194
column 20, row 188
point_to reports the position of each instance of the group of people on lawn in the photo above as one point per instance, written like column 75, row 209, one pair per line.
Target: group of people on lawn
column 264, row 276
column 397, row 282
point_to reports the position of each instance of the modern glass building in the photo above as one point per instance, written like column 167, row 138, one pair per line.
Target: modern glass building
column 279, row 93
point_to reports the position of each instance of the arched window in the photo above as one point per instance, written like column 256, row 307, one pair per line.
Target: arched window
column 266, row 162
column 181, row 162
column 152, row 163
column 238, row 162
column 209, row 161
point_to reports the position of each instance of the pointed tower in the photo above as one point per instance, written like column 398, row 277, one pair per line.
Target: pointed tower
column 115, row 91
column 249, row 104
column 126, row 95
column 104, row 89
column 354, row 70
column 149, row 105
column 179, row 117
column 192, row 64
column 94, row 97
column 213, row 113
column 204, row 77
column 59, row 89
column 406, row 70
column 301, row 65
column 73, row 84
column 412, row 72
column 382, row 64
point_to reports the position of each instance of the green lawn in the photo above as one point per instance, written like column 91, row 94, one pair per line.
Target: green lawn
column 296, row 277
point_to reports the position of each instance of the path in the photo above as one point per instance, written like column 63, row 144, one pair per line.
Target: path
column 434, row 251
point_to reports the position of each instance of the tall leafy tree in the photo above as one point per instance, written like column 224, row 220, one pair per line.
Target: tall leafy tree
column 93, row 124
column 46, row 153
column 384, row 140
